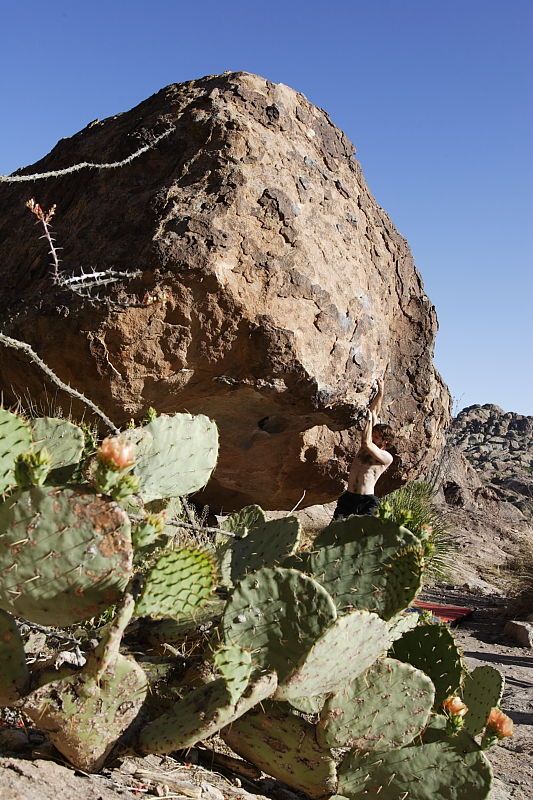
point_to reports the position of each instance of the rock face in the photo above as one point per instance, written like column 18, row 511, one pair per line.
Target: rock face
column 273, row 290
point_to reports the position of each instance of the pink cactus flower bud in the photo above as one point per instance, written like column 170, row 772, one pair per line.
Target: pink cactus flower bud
column 116, row 452
column 499, row 724
column 454, row 706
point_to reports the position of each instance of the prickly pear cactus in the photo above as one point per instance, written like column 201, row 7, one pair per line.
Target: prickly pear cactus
column 32, row 468
column 284, row 746
column 235, row 666
column 346, row 649
column 439, row 770
column 401, row 623
column 277, row 614
column 15, row 439
column 432, row 649
column 87, row 712
column 482, row 691
column 175, row 455
column 384, row 708
column 85, row 717
column 385, row 533
column 14, row 674
column 204, row 712
column 178, row 584
column 264, row 545
column 243, row 521
column 65, row 554
column 308, row 705
column 63, row 440
column 148, row 534
column 365, row 563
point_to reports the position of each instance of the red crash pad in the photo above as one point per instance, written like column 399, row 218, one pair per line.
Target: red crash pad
column 446, row 613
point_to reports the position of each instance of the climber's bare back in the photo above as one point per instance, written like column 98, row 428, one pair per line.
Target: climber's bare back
column 366, row 470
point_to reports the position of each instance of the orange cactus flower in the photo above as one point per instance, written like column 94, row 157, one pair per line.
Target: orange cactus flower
column 116, row 452
column 454, row 706
column 499, row 724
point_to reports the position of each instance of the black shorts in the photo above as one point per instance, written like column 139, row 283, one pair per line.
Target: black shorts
column 351, row 503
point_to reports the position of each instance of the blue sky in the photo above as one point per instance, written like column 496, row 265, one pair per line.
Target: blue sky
column 435, row 94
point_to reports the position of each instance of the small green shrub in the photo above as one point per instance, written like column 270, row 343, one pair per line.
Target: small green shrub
column 413, row 506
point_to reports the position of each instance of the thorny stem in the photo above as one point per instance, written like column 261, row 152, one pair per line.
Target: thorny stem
column 49, row 631
column 76, row 283
column 86, row 164
column 190, row 515
column 25, row 348
column 178, row 523
column 52, row 252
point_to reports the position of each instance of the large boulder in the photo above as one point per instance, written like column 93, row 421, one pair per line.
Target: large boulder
column 273, row 290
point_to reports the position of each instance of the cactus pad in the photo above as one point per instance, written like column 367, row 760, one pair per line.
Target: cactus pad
column 15, row 439
column 180, row 582
column 235, row 666
column 440, row 770
column 14, row 674
column 482, row 690
column 382, row 709
column 83, row 717
column 346, row 649
column 175, row 455
column 62, row 439
column 308, row 705
column 241, row 522
column 366, row 563
column 352, row 528
column 401, row 623
column 263, row 546
column 432, row 649
column 202, row 713
column 277, row 614
column 284, row 746
column 65, row 555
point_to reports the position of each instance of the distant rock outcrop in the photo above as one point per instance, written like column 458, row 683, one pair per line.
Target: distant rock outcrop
column 487, row 491
column 275, row 288
column 499, row 446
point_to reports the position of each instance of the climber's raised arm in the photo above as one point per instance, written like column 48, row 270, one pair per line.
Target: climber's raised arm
column 376, row 402
column 369, row 445
column 369, row 463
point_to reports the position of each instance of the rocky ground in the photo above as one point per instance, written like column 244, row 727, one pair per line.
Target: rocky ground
column 486, row 497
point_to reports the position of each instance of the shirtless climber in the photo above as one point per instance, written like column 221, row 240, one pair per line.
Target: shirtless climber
column 369, row 464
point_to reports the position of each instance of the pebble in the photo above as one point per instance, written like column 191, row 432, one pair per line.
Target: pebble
column 521, row 632
column 211, row 792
